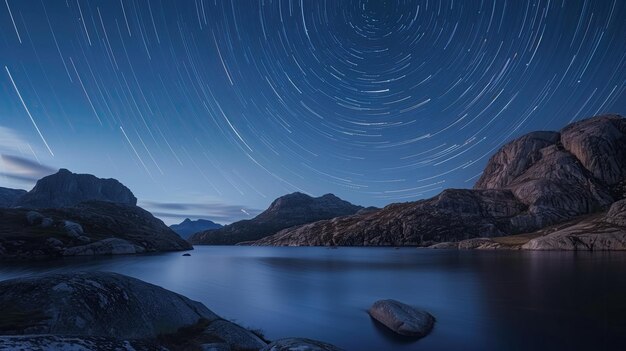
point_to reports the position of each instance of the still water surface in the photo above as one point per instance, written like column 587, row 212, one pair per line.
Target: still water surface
column 482, row 300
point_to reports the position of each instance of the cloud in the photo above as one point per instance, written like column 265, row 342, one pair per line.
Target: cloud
column 217, row 212
column 12, row 142
column 23, row 169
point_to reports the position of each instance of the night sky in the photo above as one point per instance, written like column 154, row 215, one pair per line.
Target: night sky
column 214, row 108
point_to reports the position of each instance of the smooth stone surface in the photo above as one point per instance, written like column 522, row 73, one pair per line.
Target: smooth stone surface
column 299, row 344
column 94, row 304
column 69, row 343
column 402, row 318
column 215, row 347
column 235, row 336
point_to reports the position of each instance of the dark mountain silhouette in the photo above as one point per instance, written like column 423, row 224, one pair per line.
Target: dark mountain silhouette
column 188, row 227
column 286, row 211
column 65, row 188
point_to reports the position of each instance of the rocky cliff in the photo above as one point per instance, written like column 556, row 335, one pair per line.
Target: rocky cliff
column 90, row 228
column 286, row 211
column 65, row 188
column 188, row 227
column 537, row 180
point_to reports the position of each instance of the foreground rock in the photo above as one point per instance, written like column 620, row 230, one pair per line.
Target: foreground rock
column 90, row 228
column 65, row 189
column 108, row 311
column 299, row 344
column 286, row 211
column 533, row 182
column 73, row 343
column 401, row 318
column 94, row 304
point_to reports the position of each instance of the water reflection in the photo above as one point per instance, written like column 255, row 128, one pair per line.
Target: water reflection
column 482, row 300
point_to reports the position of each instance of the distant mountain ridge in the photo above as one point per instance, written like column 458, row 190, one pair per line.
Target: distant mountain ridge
column 188, row 227
column 284, row 212
column 532, row 182
column 8, row 196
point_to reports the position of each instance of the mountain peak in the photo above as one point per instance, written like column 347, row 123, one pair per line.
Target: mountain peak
column 65, row 188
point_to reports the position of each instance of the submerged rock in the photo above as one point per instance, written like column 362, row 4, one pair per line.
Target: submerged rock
column 299, row 344
column 401, row 318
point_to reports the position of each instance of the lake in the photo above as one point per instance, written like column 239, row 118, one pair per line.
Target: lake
column 482, row 300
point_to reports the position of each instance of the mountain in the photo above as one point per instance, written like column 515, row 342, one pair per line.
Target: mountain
column 8, row 197
column 65, row 188
column 188, row 227
column 537, row 180
column 286, row 211
column 69, row 214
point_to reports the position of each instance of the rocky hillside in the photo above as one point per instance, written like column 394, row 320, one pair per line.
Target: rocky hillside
column 65, row 188
column 90, row 228
column 188, row 227
column 537, row 180
column 8, row 197
column 286, row 211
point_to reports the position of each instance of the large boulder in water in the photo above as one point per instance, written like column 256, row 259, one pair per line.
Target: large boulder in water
column 94, row 304
column 401, row 318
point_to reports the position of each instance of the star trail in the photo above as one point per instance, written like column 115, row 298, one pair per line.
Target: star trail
column 239, row 102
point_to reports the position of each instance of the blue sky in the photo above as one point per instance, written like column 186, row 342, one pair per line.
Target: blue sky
column 213, row 109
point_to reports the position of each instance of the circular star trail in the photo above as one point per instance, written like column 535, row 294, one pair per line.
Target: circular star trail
column 243, row 101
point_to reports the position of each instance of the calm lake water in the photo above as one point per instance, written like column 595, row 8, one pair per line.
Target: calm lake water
column 482, row 300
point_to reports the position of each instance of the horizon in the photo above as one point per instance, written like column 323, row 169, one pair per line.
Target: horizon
column 213, row 114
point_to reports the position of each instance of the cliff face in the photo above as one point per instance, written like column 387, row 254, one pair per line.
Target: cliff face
column 539, row 179
column 65, row 188
column 286, row 211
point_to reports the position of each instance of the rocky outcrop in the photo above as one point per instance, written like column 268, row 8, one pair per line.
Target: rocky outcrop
column 90, row 228
column 299, row 344
column 59, row 343
column 108, row 311
column 401, row 318
column 8, row 197
column 64, row 189
column 596, row 233
column 188, row 227
column 286, row 211
column 94, row 304
column 537, row 180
